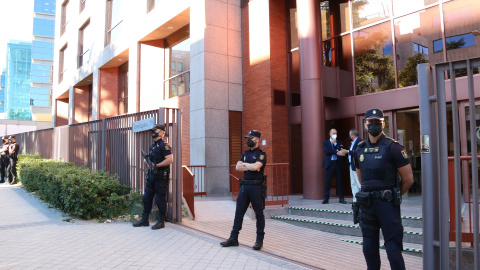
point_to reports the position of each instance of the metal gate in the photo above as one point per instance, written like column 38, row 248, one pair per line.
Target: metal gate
column 438, row 198
column 110, row 145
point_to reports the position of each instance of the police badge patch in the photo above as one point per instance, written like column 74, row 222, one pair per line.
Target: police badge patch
column 361, row 158
column 404, row 154
column 167, row 147
column 262, row 157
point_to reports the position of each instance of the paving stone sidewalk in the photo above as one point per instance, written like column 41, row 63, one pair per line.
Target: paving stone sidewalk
column 33, row 236
column 315, row 249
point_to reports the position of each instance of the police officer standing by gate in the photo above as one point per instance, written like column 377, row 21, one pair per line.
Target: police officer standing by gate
column 379, row 159
column 13, row 148
column 160, row 157
column 252, row 163
column 3, row 158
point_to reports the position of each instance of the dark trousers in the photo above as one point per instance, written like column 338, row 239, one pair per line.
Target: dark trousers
column 3, row 166
column 333, row 168
column 12, row 170
column 249, row 194
column 385, row 215
column 159, row 188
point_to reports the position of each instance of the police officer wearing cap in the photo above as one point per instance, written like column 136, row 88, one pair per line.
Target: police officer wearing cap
column 160, row 154
column 252, row 163
column 13, row 148
column 3, row 158
column 379, row 161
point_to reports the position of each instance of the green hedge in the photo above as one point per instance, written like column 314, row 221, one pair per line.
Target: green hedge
column 79, row 192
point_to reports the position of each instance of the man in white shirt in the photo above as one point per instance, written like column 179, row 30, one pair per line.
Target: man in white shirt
column 355, row 184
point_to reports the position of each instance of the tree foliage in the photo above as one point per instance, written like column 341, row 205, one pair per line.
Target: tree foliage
column 374, row 70
column 408, row 76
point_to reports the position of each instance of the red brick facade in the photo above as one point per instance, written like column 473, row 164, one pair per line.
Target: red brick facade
column 108, row 94
column 61, row 112
column 184, row 106
column 81, row 104
column 260, row 81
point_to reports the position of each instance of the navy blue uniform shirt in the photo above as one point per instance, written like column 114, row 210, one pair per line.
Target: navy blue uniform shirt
column 396, row 154
column 158, row 151
column 252, row 156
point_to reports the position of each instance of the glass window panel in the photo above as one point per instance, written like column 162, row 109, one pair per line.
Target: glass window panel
column 401, row 7
column 325, row 17
column 344, row 17
column 461, row 25
column 44, row 6
column 373, row 59
column 365, row 12
column 116, row 12
column 414, row 34
column 179, row 67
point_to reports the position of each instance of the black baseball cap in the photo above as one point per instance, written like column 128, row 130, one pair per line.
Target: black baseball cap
column 162, row 127
column 254, row 133
column 11, row 137
column 374, row 114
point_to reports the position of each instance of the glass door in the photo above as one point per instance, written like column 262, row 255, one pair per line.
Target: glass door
column 466, row 142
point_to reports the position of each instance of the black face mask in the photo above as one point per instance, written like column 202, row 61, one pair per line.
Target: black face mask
column 250, row 143
column 155, row 134
column 374, row 129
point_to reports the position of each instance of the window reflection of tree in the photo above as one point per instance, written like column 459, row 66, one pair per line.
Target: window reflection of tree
column 374, row 70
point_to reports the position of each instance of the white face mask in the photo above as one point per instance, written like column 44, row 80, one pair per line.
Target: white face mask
column 334, row 136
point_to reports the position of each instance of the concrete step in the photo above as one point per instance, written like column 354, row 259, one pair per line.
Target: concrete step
column 343, row 227
column 407, row 221
column 415, row 249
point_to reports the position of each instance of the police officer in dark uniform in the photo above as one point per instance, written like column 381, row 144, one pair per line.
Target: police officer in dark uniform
column 252, row 163
column 380, row 160
column 13, row 148
column 3, row 158
column 160, row 154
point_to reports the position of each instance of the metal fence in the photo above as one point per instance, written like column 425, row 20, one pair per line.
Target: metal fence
column 199, row 179
column 278, row 186
column 110, row 145
column 435, row 169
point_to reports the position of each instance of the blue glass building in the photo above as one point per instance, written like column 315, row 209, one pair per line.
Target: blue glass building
column 42, row 59
column 17, row 80
column 2, row 92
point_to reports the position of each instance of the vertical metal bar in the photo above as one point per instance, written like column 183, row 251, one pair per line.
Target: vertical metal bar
column 458, row 186
column 103, row 146
column 443, row 169
column 424, row 74
column 160, row 120
column 474, row 145
column 179, row 163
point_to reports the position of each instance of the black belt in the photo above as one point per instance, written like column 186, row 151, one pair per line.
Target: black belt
column 386, row 194
column 251, row 182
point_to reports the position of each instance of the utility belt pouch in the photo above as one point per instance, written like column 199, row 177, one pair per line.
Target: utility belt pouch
column 363, row 198
column 397, row 196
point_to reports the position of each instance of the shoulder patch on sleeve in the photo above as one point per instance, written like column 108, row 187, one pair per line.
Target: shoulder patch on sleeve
column 404, row 154
column 262, row 157
column 167, row 147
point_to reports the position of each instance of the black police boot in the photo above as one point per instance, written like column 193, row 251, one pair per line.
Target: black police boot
column 258, row 245
column 160, row 224
column 231, row 242
column 142, row 222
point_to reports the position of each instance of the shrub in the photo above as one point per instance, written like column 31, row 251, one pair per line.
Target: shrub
column 79, row 192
